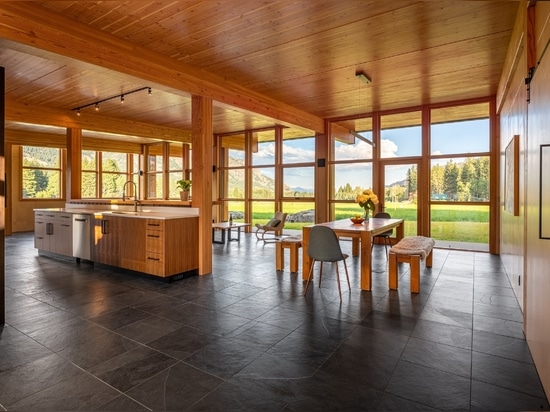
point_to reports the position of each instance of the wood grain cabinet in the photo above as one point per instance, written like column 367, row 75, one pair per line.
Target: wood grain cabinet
column 132, row 244
column 171, row 246
column 53, row 232
column 106, row 248
column 157, row 247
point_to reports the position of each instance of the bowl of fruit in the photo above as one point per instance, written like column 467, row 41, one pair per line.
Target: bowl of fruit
column 357, row 219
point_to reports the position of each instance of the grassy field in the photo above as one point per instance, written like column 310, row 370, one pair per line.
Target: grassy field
column 449, row 222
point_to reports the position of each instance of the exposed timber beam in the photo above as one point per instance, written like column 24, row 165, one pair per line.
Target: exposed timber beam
column 18, row 112
column 32, row 25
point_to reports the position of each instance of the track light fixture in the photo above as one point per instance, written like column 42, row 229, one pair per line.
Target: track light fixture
column 363, row 77
column 118, row 96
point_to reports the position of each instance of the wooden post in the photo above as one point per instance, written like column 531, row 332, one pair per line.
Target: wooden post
column 3, row 194
column 201, row 174
column 73, row 188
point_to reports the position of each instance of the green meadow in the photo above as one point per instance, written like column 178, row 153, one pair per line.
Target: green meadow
column 454, row 223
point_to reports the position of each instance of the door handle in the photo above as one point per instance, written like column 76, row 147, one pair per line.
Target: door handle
column 104, row 227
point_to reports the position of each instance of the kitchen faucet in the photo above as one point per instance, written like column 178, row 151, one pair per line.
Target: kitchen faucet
column 135, row 194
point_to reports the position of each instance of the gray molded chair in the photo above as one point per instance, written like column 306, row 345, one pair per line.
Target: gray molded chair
column 386, row 235
column 324, row 247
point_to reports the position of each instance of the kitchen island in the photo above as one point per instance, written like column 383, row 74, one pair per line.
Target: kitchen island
column 161, row 242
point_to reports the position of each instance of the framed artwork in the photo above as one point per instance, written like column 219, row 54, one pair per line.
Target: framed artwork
column 511, row 177
column 544, row 209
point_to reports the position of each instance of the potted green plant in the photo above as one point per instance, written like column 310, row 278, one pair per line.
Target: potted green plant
column 184, row 185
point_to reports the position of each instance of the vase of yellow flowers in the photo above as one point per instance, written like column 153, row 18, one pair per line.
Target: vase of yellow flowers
column 368, row 201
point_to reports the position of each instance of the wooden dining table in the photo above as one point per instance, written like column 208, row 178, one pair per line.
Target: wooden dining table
column 362, row 238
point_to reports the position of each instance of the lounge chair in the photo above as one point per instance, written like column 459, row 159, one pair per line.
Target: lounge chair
column 274, row 227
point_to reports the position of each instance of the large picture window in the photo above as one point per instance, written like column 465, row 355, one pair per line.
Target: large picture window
column 42, row 173
column 104, row 174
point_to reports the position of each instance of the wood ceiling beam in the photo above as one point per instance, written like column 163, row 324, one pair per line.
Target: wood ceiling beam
column 27, row 23
column 23, row 113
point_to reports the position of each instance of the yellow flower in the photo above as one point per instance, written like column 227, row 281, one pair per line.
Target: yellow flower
column 367, row 199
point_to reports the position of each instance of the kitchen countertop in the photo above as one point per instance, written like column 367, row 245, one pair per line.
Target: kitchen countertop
column 147, row 214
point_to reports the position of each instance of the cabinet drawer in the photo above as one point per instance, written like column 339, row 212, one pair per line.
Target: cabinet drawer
column 155, row 224
column 154, row 264
column 154, row 241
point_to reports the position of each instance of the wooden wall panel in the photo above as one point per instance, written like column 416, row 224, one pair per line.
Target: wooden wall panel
column 513, row 121
column 537, row 304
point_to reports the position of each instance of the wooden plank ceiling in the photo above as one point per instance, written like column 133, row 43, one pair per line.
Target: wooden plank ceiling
column 264, row 63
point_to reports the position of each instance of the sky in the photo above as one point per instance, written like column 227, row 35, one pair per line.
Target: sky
column 448, row 138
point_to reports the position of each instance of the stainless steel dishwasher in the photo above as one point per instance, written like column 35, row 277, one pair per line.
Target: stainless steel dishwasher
column 82, row 236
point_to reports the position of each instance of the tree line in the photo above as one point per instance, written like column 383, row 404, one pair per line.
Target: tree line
column 465, row 182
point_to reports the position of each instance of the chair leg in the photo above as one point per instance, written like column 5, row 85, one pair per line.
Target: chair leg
column 310, row 273
column 347, row 276
column 338, row 281
column 320, row 273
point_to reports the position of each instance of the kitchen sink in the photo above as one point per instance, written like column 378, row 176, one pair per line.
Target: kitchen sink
column 124, row 213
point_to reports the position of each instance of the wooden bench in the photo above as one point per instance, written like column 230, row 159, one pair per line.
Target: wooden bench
column 293, row 243
column 411, row 249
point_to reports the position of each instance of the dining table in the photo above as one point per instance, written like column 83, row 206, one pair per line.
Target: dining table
column 362, row 237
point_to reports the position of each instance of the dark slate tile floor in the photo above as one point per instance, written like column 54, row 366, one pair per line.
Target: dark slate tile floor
column 84, row 337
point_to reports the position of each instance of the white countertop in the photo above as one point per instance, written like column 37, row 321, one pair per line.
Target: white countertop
column 123, row 211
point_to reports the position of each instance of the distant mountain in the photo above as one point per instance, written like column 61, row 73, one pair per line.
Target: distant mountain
column 300, row 189
column 402, row 183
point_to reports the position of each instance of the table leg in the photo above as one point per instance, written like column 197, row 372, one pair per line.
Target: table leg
column 238, row 238
column 306, row 262
column 222, row 241
column 294, row 250
column 354, row 246
column 366, row 264
column 400, row 232
column 279, row 256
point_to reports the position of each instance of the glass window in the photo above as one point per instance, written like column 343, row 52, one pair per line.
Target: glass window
column 263, row 148
column 41, row 173
column 460, row 129
column 460, row 179
column 154, row 186
column 351, row 167
column 155, row 171
column 457, row 225
column 262, row 211
column 471, row 136
column 114, row 167
column 89, row 174
column 401, row 135
column 298, row 182
column 301, row 150
column 234, row 184
column 299, row 214
column 357, row 151
column 233, row 147
column 351, row 178
column 175, row 170
column 263, row 183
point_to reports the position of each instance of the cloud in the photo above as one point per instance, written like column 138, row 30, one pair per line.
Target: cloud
column 388, row 148
column 359, row 150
